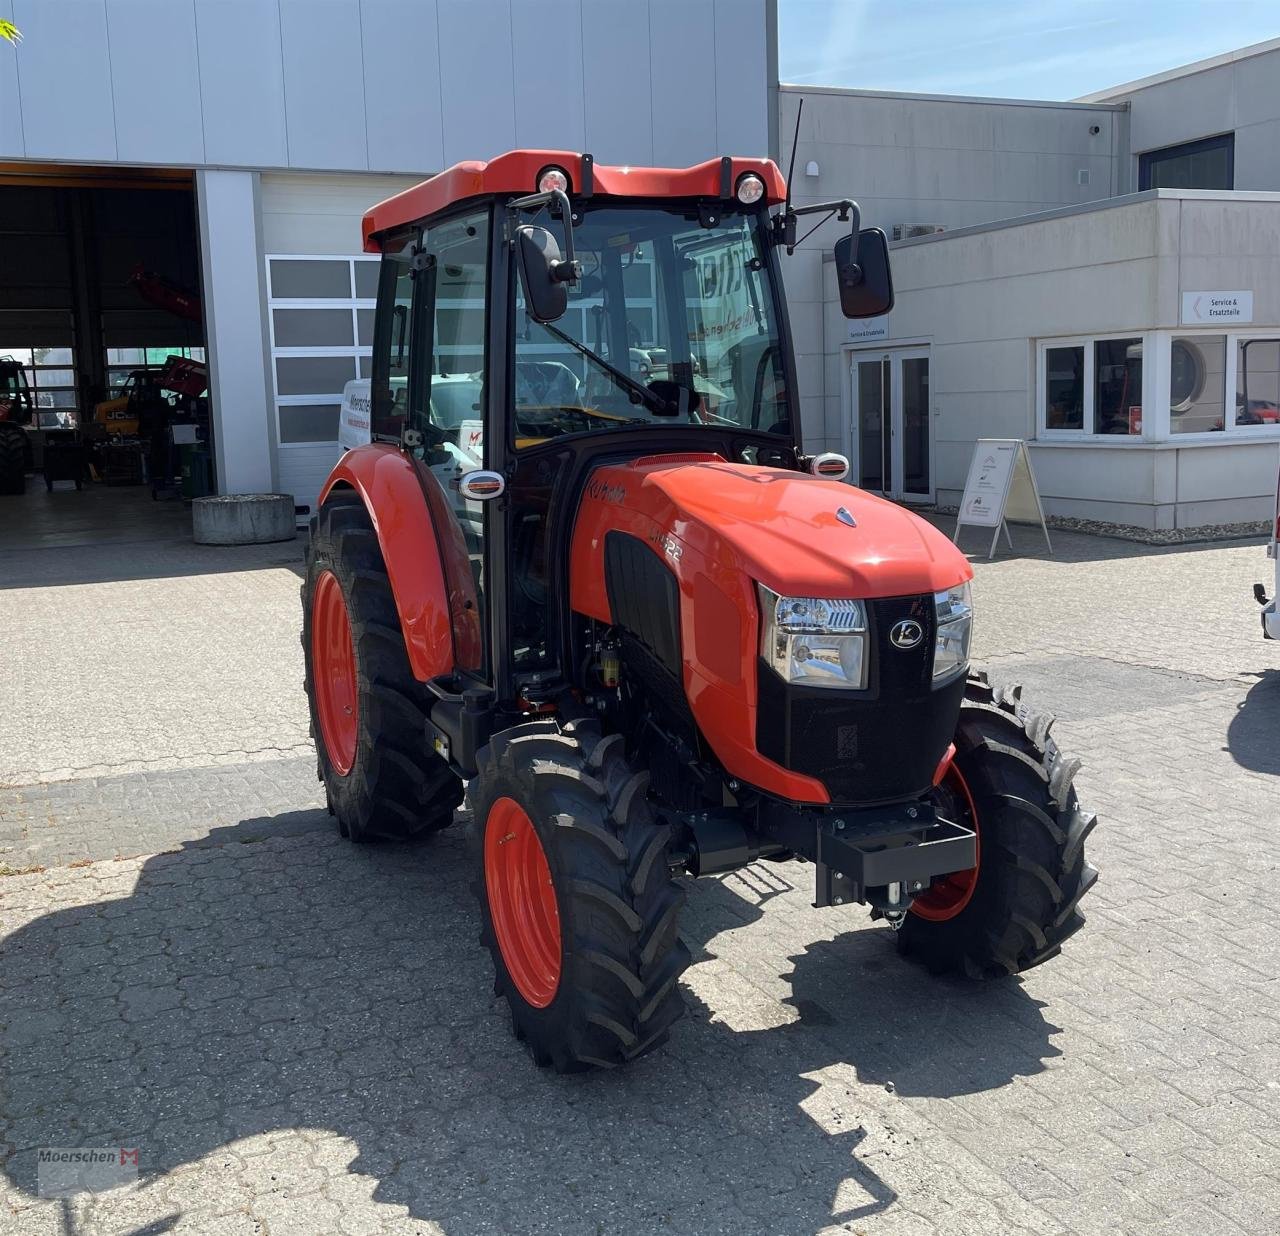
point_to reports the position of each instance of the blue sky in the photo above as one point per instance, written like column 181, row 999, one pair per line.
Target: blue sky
column 1035, row 49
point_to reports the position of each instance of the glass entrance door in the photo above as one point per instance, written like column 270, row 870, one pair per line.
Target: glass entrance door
column 891, row 436
column 872, row 429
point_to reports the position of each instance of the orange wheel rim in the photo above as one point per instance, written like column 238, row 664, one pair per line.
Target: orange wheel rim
column 333, row 672
column 522, row 902
column 949, row 894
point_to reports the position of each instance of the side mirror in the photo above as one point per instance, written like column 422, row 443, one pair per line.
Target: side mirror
column 542, row 273
column 862, row 274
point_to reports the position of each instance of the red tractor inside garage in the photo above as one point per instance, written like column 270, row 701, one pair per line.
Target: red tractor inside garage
column 656, row 637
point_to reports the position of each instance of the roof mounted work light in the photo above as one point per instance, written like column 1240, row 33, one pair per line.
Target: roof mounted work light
column 551, row 178
column 750, row 189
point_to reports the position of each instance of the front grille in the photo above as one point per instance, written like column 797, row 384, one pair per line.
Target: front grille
column 878, row 745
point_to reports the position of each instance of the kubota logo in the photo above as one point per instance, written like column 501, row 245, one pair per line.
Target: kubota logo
column 906, row 634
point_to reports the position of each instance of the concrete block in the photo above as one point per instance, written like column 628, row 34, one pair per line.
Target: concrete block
column 243, row 519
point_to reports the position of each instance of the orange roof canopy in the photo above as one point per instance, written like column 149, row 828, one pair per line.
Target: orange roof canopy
column 517, row 172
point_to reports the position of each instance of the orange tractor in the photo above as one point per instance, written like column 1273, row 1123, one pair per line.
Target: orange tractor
column 585, row 566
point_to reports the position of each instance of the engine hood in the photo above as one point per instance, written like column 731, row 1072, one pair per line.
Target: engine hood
column 797, row 533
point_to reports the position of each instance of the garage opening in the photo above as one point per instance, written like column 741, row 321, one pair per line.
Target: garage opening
column 103, row 375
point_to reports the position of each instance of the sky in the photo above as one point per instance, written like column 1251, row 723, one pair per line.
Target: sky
column 1028, row 49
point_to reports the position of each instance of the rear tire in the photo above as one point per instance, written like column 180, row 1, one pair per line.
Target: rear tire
column 381, row 778
column 614, row 994
column 1016, row 787
column 13, row 459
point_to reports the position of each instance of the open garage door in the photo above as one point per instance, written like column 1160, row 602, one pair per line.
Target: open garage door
column 100, row 308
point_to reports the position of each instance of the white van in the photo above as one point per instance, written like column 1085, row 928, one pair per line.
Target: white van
column 454, row 400
column 1271, row 608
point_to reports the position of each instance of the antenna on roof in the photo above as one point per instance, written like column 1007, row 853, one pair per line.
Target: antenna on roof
column 785, row 224
column 795, row 141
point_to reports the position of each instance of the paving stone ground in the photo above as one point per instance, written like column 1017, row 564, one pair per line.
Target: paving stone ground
column 300, row 1036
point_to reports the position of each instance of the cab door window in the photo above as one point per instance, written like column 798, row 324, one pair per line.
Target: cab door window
column 449, row 388
column 457, row 251
column 393, row 339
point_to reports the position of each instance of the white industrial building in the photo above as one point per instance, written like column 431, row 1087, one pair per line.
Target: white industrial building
column 1097, row 277
column 232, row 148
column 1049, row 256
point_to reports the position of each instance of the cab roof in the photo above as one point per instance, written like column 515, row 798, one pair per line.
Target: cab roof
column 518, row 171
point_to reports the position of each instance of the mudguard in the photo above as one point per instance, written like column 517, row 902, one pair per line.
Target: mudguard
column 425, row 553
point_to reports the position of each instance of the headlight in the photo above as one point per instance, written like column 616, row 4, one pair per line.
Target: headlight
column 813, row 642
column 954, row 610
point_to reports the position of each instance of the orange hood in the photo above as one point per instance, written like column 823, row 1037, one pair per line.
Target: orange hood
column 784, row 529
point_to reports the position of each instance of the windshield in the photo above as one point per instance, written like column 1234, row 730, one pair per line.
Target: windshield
column 672, row 323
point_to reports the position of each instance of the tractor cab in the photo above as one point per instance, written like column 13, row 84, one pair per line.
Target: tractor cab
column 537, row 314
column 16, row 404
column 579, row 557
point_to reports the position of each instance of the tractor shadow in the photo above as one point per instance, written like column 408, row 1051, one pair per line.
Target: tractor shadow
column 1253, row 736
column 267, row 980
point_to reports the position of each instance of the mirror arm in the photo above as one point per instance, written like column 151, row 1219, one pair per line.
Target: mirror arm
column 557, row 202
column 784, row 224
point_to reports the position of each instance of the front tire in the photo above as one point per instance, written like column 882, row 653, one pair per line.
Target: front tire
column 1020, row 904
column 368, row 712
column 578, row 907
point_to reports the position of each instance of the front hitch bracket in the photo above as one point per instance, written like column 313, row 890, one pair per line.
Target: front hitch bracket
column 858, row 855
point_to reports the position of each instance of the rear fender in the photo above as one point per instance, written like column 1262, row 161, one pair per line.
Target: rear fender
column 425, row 554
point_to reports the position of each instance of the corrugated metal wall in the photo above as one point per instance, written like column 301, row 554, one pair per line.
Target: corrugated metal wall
column 382, row 85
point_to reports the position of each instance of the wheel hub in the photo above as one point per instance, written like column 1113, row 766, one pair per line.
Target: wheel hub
column 333, row 665
column 522, row 902
column 949, row 894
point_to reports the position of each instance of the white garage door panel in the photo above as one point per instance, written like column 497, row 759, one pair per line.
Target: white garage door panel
column 321, row 214
column 319, row 317
column 304, row 469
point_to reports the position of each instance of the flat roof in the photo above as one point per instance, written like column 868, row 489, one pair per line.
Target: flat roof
column 1088, row 208
column 1184, row 70
column 848, row 91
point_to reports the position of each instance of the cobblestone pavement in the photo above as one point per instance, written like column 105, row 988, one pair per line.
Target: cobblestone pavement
column 148, row 656
column 299, row 1035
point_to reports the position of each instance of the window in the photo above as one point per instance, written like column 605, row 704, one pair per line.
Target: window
column 1197, row 383
column 672, row 323
column 1064, row 388
column 391, row 344
column 121, row 362
column 445, row 295
column 51, row 379
column 1206, row 164
column 1117, row 386
column 460, row 249
column 1257, row 382
column 1091, row 387
column 447, row 404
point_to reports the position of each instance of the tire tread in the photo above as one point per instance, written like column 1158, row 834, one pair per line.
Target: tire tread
column 619, row 989
column 1032, row 832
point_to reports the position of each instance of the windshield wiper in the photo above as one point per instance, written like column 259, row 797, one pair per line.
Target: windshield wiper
column 659, row 406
